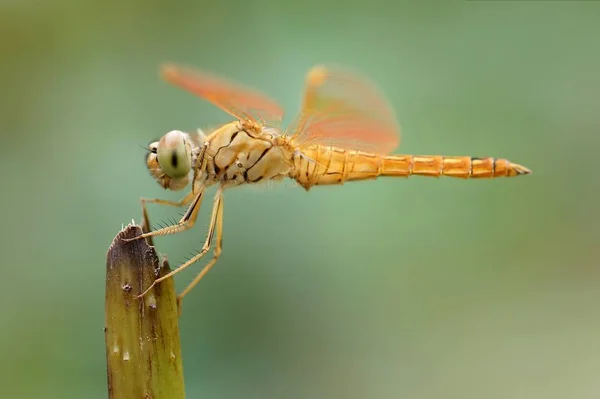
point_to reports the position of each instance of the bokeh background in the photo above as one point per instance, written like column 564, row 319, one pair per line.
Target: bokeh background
column 419, row 288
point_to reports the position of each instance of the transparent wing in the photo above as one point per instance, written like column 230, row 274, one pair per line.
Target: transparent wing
column 346, row 110
column 244, row 103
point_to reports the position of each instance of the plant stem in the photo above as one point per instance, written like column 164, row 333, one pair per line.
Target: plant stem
column 143, row 350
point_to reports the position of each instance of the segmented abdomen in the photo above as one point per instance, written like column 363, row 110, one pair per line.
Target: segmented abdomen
column 320, row 165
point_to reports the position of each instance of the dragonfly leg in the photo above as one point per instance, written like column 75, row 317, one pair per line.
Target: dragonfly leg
column 205, row 248
column 186, row 222
column 184, row 201
column 207, row 244
column 146, row 220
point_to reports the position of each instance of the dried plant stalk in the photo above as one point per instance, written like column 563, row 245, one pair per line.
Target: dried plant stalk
column 143, row 350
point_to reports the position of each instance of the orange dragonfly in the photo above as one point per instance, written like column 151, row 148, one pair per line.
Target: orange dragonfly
column 345, row 131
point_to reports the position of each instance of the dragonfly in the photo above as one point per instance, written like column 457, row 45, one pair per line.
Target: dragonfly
column 346, row 130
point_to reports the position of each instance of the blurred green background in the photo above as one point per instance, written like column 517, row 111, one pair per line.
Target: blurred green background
column 419, row 288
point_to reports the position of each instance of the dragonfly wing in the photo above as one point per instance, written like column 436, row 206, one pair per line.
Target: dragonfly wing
column 344, row 109
column 244, row 103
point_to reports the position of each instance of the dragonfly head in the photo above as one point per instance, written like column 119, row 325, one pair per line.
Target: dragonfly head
column 169, row 160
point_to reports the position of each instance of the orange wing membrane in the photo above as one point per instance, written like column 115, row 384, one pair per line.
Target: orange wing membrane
column 345, row 110
column 244, row 103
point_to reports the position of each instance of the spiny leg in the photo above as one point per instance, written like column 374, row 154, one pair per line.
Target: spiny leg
column 209, row 265
column 184, row 201
column 205, row 248
column 146, row 220
column 186, row 222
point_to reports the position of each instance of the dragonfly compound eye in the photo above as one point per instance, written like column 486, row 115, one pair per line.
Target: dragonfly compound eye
column 174, row 154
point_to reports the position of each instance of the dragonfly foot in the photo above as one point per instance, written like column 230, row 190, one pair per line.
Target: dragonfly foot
column 133, row 239
column 145, row 292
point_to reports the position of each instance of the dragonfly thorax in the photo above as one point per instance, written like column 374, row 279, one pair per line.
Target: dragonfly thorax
column 240, row 152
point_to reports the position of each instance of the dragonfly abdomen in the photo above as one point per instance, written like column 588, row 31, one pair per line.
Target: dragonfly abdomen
column 465, row 167
column 320, row 165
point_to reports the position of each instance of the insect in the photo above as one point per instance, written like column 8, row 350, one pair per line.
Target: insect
column 345, row 131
